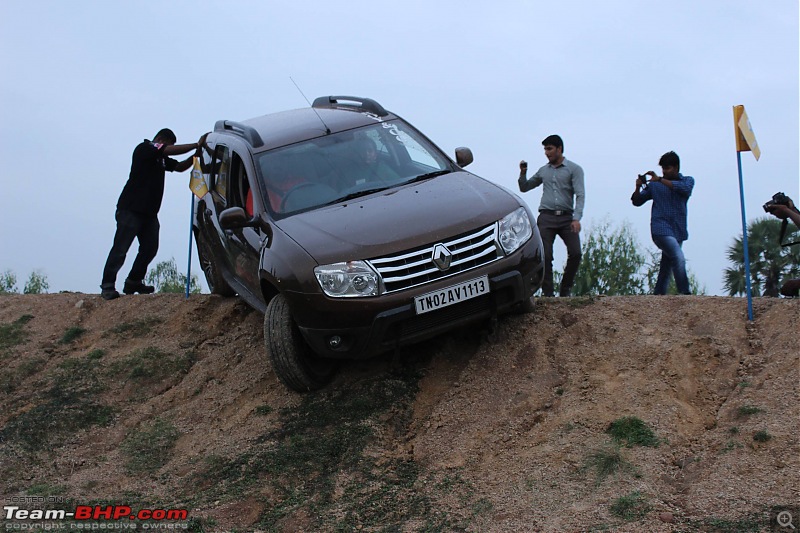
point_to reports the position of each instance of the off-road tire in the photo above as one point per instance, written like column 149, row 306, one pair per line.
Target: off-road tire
column 294, row 363
column 216, row 283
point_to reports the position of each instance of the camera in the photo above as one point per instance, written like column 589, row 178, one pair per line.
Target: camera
column 779, row 199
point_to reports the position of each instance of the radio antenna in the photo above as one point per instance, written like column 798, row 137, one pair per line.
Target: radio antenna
column 327, row 129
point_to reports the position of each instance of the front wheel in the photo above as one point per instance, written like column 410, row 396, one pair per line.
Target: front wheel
column 294, row 363
column 216, row 283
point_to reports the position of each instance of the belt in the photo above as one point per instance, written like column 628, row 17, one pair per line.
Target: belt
column 556, row 213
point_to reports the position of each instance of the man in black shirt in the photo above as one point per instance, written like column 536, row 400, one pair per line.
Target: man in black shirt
column 137, row 210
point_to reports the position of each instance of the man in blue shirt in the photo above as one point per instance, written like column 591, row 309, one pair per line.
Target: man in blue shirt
column 670, row 194
column 563, row 183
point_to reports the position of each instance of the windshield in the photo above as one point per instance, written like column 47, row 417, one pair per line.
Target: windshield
column 345, row 165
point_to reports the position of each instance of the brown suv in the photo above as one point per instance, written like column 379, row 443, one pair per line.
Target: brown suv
column 353, row 233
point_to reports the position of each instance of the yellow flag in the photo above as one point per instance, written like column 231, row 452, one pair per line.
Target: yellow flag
column 745, row 138
column 197, row 182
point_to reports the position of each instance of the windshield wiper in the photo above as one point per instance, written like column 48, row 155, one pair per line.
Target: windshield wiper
column 429, row 175
column 356, row 195
column 365, row 192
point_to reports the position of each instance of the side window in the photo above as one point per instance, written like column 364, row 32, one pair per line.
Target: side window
column 239, row 193
column 207, row 163
column 220, row 175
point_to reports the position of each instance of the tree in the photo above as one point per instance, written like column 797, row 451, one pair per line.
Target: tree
column 769, row 261
column 611, row 263
column 37, row 283
column 166, row 278
column 8, row 282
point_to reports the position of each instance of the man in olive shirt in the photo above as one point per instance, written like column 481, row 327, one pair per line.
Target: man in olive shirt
column 563, row 184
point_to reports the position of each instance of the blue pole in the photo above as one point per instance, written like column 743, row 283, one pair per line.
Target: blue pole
column 744, row 241
column 189, row 266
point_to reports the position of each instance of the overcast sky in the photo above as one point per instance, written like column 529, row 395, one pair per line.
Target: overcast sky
column 82, row 83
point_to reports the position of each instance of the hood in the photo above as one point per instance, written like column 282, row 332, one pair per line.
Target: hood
column 400, row 218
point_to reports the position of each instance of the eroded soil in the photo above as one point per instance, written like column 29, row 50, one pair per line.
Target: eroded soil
column 161, row 402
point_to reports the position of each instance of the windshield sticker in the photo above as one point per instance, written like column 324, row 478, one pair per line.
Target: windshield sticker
column 401, row 136
column 373, row 116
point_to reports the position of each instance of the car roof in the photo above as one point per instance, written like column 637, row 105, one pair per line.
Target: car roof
column 287, row 127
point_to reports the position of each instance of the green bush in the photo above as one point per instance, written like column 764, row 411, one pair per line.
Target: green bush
column 166, row 278
column 632, row 506
column 630, row 431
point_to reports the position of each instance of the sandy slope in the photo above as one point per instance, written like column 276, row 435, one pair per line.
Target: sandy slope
column 515, row 416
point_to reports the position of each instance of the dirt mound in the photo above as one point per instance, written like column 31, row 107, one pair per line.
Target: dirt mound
column 623, row 413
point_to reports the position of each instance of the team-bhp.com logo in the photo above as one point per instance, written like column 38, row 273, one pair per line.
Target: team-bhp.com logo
column 95, row 512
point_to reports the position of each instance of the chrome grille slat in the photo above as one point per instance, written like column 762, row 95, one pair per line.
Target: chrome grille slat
column 427, row 258
column 394, row 259
column 420, row 262
column 487, row 240
column 415, row 267
column 434, row 269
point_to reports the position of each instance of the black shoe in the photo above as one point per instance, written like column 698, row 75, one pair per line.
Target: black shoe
column 132, row 287
column 109, row 294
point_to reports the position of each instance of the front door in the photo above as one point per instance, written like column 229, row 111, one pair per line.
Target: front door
column 243, row 245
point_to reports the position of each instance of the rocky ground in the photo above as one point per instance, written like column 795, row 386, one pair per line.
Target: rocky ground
column 607, row 414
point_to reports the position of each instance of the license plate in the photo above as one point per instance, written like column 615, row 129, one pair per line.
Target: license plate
column 452, row 295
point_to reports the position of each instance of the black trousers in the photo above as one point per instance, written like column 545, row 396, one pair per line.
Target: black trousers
column 549, row 227
column 131, row 226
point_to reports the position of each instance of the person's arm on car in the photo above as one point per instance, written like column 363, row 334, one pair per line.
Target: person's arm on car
column 187, row 163
column 178, row 149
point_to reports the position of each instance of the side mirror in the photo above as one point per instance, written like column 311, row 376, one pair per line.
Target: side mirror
column 232, row 218
column 235, row 218
column 464, row 156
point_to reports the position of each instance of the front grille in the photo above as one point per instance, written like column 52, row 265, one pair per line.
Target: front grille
column 415, row 267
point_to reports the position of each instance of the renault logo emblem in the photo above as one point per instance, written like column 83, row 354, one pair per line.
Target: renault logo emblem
column 441, row 257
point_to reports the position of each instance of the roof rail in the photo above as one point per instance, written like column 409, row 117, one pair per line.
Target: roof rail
column 366, row 104
column 248, row 133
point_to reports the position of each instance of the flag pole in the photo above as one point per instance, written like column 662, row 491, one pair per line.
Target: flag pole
column 744, row 241
column 745, row 142
column 189, row 266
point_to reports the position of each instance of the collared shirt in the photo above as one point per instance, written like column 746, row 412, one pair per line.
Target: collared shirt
column 145, row 187
column 562, row 183
column 669, row 213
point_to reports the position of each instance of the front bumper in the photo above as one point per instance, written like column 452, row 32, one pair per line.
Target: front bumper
column 511, row 280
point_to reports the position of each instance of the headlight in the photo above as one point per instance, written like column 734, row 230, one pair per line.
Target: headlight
column 514, row 230
column 348, row 280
